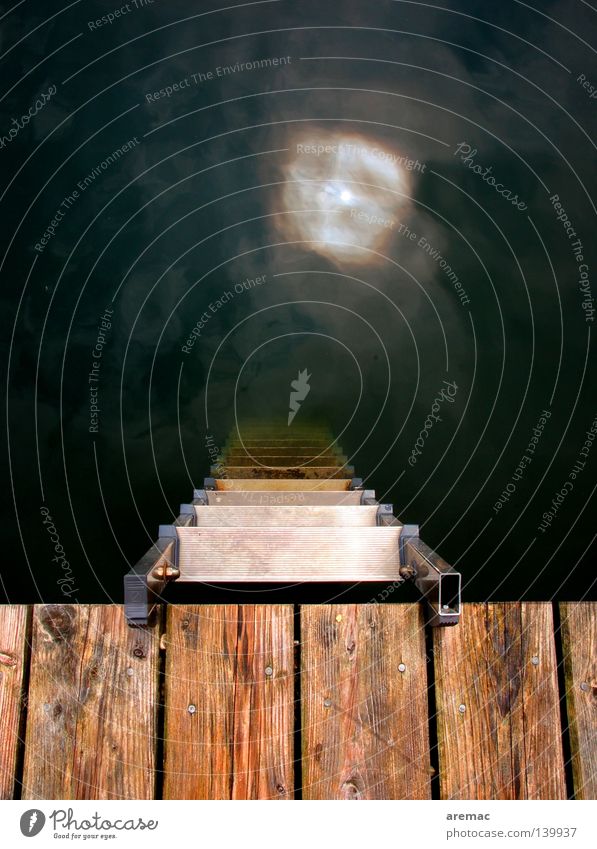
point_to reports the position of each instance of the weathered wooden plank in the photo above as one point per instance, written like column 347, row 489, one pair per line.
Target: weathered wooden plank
column 498, row 715
column 229, row 695
column 579, row 638
column 13, row 656
column 91, row 723
column 364, row 721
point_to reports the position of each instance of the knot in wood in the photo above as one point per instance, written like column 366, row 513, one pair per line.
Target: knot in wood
column 57, row 621
column 352, row 788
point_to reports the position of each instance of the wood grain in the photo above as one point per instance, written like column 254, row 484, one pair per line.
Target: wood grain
column 14, row 637
column 92, row 704
column 498, row 717
column 91, row 724
column 364, row 722
column 229, row 695
column 579, row 639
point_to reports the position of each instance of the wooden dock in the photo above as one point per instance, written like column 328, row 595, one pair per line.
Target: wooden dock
column 313, row 702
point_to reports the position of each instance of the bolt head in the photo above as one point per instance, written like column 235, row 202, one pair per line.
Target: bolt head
column 192, row 709
column 462, row 708
column 269, row 671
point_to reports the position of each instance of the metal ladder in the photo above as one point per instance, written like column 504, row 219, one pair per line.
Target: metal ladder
column 288, row 509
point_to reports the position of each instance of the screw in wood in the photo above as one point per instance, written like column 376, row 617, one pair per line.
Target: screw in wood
column 535, row 660
column 402, row 667
column 327, row 702
column 584, row 687
column 192, row 709
column 269, row 671
column 462, row 708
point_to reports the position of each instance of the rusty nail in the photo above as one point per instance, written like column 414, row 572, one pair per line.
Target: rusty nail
column 192, row 709
column 402, row 667
column 269, row 670
column 462, row 708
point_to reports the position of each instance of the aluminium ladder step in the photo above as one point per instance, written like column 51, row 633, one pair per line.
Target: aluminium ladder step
column 268, row 497
column 282, row 451
column 255, row 555
column 281, row 462
column 284, row 472
column 286, row 460
column 287, row 433
column 299, row 444
column 282, row 484
column 302, row 516
column 279, row 426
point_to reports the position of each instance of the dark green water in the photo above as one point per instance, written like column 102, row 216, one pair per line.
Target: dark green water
column 183, row 199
